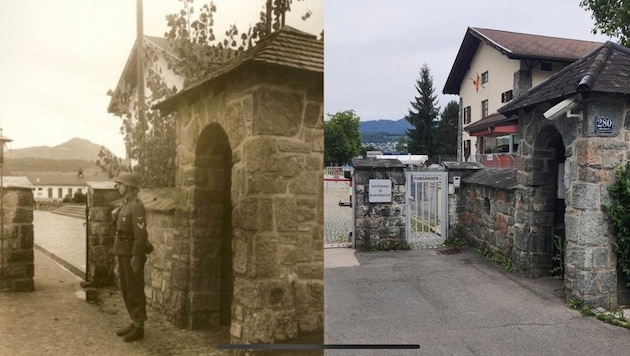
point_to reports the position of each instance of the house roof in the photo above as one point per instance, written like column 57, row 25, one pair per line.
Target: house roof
column 490, row 121
column 606, row 70
column 64, row 179
column 514, row 45
column 286, row 47
column 16, row 182
column 128, row 75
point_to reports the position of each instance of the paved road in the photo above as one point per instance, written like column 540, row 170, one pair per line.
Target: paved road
column 62, row 238
column 456, row 305
column 337, row 219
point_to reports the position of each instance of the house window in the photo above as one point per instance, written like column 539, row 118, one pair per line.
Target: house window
column 466, row 148
column 506, row 96
column 484, row 108
column 70, row 192
column 501, row 144
column 467, row 115
column 60, row 193
column 545, row 67
column 50, row 192
column 484, row 77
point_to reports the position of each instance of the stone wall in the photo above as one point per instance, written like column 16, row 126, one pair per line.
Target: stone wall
column 16, row 249
column 486, row 208
column 379, row 225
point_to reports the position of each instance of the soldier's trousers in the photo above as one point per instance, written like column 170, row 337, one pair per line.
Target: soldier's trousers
column 132, row 288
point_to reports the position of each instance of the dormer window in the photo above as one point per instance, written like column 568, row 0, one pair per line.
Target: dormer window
column 545, row 66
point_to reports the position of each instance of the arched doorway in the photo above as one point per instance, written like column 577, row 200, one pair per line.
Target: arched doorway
column 548, row 206
column 211, row 243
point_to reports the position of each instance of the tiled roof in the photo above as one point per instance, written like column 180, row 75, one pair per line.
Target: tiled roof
column 514, row 45
column 287, row 47
column 522, row 46
column 63, row 179
column 606, row 69
column 489, row 121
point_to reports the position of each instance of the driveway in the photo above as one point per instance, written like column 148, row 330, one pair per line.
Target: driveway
column 457, row 304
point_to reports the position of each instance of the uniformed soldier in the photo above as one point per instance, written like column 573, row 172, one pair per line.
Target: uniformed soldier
column 130, row 250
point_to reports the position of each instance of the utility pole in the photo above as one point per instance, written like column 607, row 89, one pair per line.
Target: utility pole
column 140, row 74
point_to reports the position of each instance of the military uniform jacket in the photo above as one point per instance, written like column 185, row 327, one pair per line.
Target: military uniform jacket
column 131, row 228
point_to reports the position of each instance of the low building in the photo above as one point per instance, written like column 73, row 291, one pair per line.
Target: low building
column 51, row 186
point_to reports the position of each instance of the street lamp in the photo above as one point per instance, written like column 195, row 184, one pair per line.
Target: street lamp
column 3, row 140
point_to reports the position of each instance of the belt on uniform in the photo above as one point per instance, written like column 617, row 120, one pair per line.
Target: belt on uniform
column 124, row 235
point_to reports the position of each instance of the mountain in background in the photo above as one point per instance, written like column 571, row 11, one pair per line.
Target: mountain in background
column 396, row 127
column 74, row 149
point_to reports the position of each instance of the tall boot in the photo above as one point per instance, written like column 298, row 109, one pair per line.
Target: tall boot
column 136, row 333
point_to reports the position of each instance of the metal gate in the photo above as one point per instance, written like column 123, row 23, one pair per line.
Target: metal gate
column 427, row 208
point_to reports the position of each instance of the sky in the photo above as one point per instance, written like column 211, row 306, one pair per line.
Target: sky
column 374, row 49
column 59, row 58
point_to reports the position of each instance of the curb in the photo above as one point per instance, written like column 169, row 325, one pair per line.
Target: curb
column 67, row 265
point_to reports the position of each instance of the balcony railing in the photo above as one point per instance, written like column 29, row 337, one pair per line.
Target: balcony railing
column 496, row 160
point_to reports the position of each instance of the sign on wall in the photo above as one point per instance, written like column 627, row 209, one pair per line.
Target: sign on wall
column 603, row 125
column 380, row 191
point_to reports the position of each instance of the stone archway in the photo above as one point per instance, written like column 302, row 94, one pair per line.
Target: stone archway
column 211, row 288
column 542, row 205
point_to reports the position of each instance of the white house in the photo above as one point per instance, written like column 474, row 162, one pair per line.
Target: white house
column 159, row 63
column 491, row 68
column 49, row 186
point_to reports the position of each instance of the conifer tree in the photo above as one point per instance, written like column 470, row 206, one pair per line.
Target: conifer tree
column 422, row 115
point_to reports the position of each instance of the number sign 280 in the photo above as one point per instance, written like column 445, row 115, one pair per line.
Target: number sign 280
column 604, row 124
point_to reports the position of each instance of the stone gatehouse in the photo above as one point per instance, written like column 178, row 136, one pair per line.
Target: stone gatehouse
column 575, row 129
column 239, row 241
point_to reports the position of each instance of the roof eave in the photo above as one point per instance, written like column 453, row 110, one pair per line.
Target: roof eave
column 461, row 65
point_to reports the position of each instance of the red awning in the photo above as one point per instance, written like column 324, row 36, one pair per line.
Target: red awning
column 499, row 130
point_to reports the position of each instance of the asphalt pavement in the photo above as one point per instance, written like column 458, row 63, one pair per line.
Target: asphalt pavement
column 458, row 304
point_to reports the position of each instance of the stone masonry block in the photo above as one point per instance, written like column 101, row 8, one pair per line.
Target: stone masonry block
column 607, row 281
column 285, row 211
column 586, row 283
column 306, row 182
column 603, row 257
column 266, row 256
column 285, row 325
column 303, row 241
column 256, row 214
column 588, row 152
column 293, row 146
column 585, row 196
column 314, row 116
column 266, row 183
column 239, row 261
column 26, row 236
column 277, row 112
column 590, row 229
column 578, row 256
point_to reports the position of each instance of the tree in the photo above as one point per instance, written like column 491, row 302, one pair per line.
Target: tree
column 342, row 140
column 422, row 115
column 447, row 129
column 150, row 137
column 612, row 18
column 401, row 145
